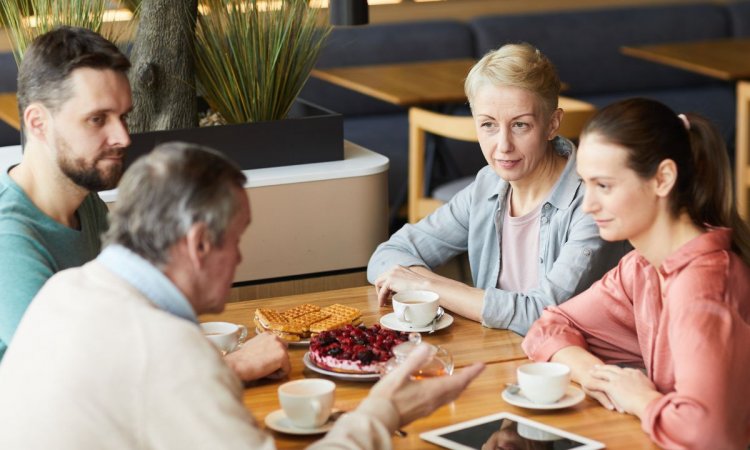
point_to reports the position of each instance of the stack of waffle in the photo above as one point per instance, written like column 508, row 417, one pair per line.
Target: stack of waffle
column 298, row 323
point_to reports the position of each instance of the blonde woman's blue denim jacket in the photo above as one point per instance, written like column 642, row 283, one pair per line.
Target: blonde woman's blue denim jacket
column 571, row 254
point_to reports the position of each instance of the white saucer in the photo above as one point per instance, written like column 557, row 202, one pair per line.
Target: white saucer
column 278, row 421
column 573, row 396
column 391, row 321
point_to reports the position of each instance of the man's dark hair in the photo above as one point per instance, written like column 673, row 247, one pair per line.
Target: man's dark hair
column 44, row 74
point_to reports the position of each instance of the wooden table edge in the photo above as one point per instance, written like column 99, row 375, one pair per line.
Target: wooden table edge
column 645, row 53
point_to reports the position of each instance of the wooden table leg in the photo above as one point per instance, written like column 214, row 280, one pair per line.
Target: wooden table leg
column 742, row 162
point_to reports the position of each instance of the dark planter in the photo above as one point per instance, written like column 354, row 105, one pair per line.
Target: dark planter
column 309, row 134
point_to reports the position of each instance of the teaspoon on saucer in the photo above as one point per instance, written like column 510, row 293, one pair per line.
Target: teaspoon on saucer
column 438, row 316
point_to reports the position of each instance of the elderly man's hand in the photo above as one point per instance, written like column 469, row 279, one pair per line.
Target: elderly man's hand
column 264, row 355
column 418, row 398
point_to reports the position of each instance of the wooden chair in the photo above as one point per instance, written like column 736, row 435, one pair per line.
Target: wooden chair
column 421, row 121
column 742, row 153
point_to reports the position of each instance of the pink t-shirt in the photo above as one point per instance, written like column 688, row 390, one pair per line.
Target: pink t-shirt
column 520, row 250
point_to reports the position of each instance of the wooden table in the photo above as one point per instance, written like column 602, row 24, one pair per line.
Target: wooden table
column 404, row 84
column 9, row 109
column 725, row 59
column 468, row 341
column 465, row 339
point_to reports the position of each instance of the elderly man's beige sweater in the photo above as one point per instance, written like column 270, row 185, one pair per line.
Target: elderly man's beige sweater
column 95, row 365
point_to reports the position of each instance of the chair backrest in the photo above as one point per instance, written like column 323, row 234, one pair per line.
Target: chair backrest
column 742, row 155
column 421, row 121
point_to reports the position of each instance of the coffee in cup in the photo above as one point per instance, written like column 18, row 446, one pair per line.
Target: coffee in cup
column 417, row 308
column 543, row 382
column 307, row 403
column 224, row 335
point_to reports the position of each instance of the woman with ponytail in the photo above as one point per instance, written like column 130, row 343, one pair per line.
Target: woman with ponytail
column 665, row 335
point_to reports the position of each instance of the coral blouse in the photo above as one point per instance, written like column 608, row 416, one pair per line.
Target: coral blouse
column 692, row 337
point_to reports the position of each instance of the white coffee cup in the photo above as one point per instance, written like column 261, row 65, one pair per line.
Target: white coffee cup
column 417, row 308
column 307, row 403
column 543, row 382
column 224, row 335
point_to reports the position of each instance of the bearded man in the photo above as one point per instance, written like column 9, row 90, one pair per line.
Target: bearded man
column 73, row 98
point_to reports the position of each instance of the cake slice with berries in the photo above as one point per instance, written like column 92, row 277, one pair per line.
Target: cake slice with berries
column 351, row 349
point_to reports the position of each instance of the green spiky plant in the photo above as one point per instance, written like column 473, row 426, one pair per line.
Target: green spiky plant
column 48, row 14
column 252, row 60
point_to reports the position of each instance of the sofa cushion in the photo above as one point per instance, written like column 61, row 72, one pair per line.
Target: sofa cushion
column 716, row 101
column 383, row 44
column 8, row 72
column 388, row 135
column 739, row 13
column 585, row 44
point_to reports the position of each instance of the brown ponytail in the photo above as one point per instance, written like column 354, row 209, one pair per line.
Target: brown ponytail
column 651, row 132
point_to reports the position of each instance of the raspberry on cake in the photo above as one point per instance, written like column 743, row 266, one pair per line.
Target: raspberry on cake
column 354, row 349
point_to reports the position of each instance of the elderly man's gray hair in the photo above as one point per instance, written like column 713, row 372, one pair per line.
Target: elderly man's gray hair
column 169, row 190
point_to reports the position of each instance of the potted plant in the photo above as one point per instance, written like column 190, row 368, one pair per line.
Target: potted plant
column 249, row 59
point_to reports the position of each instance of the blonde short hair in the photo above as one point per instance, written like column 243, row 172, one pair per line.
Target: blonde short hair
column 516, row 65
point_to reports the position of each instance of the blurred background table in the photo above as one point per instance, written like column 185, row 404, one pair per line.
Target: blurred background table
column 468, row 341
column 725, row 59
column 9, row 109
column 404, row 84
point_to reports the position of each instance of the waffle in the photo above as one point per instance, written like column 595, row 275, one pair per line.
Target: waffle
column 267, row 317
column 289, row 337
column 301, row 310
column 349, row 313
column 297, row 323
column 311, row 318
column 273, row 320
column 330, row 323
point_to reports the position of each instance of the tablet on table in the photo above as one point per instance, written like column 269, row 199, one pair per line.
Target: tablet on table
column 506, row 430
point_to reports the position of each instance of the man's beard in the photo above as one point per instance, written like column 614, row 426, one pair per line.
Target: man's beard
column 85, row 174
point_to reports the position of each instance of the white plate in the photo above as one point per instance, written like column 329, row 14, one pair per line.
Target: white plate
column 342, row 376
column 278, row 421
column 301, row 342
column 391, row 321
column 573, row 396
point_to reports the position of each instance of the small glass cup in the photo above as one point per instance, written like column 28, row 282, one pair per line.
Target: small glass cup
column 440, row 364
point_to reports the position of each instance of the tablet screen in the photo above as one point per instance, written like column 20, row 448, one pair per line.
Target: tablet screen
column 505, row 431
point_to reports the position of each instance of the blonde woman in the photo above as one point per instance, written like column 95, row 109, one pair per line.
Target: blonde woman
column 676, row 310
column 529, row 243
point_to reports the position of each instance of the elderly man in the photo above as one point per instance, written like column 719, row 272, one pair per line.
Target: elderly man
column 109, row 355
column 74, row 97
